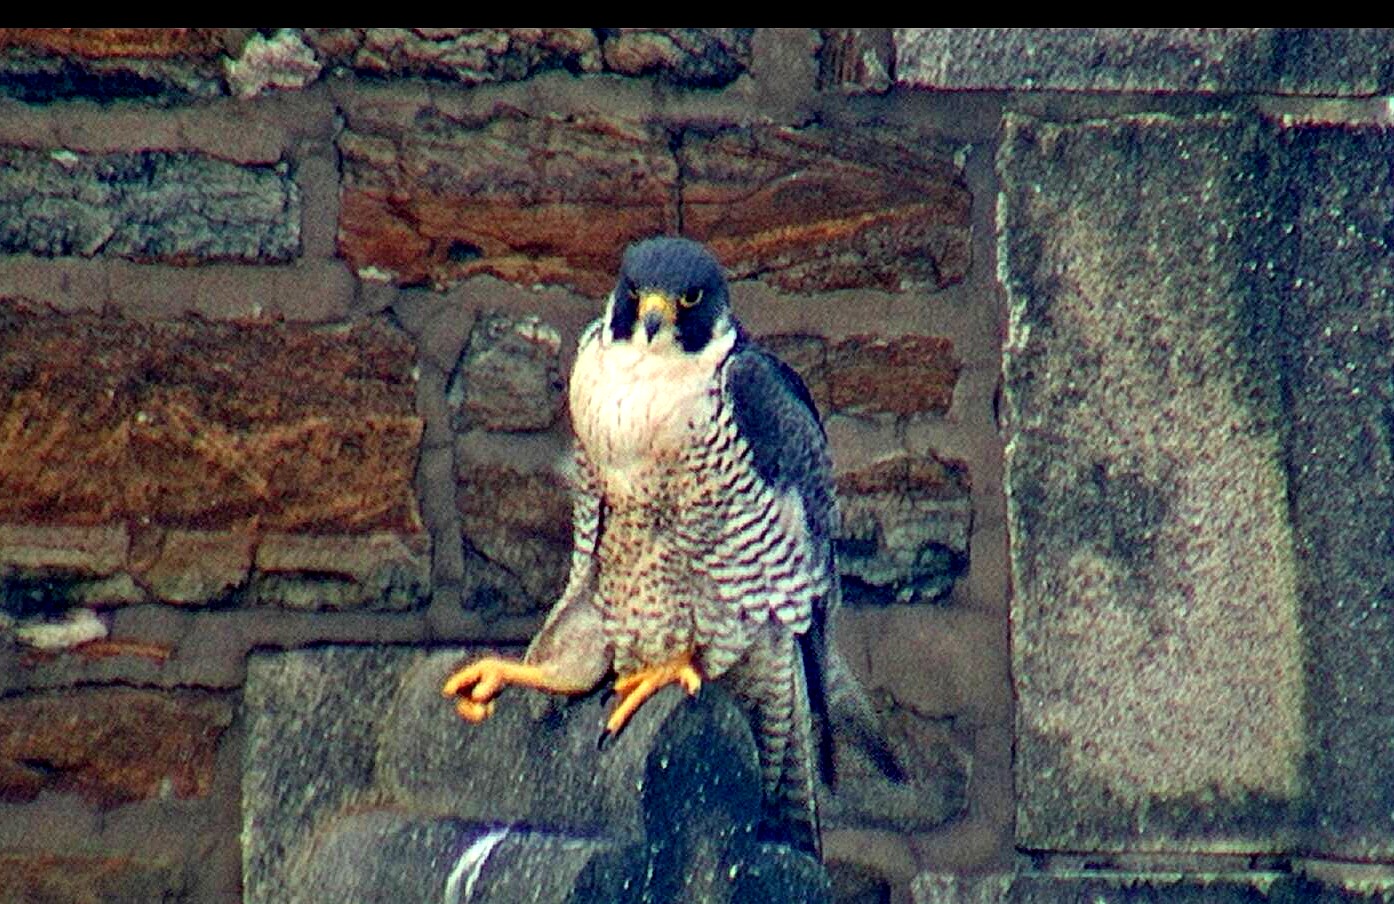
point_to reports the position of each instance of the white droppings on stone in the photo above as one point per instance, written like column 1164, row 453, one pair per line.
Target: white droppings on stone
column 470, row 865
column 78, row 626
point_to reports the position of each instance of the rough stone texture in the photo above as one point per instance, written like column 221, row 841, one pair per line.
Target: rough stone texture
column 209, row 424
column 380, row 570
column 111, row 745
column 1337, row 323
column 902, row 375
column 50, row 632
column 510, row 375
column 177, row 208
column 699, row 57
column 95, row 551
column 515, row 512
column 120, row 43
column 1156, row 625
column 1339, row 61
column 194, row 566
column 1100, row 887
column 65, row 879
column 470, row 56
column 1341, row 881
column 44, row 64
column 440, row 859
column 539, row 199
column 856, row 60
column 702, row 57
column 817, row 208
column 385, row 801
column 552, row 200
column 225, row 444
column 280, row 61
column 905, row 525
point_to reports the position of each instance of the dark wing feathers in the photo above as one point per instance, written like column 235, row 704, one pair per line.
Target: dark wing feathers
column 776, row 415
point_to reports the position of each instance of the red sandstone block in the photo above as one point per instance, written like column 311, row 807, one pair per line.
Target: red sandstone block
column 111, row 745
column 528, row 199
column 207, row 426
column 814, row 209
column 119, row 43
column 903, row 375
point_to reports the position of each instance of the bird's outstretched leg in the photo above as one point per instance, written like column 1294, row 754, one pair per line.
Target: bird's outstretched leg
column 478, row 683
column 639, row 686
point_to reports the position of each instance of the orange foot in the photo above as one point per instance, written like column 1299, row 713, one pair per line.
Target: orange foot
column 639, row 686
column 478, row 683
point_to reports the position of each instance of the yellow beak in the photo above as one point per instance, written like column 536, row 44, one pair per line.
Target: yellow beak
column 656, row 309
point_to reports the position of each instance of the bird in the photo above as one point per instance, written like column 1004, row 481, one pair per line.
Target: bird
column 703, row 522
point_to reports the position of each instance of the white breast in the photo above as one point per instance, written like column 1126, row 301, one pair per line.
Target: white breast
column 633, row 404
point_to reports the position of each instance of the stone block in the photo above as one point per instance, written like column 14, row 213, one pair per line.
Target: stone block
column 176, row 423
column 1157, row 626
column 111, row 745
column 1311, row 61
column 1336, row 323
column 469, row 56
column 856, row 60
column 1105, row 887
column 228, row 443
column 380, row 570
column 510, row 375
column 531, row 199
column 148, row 206
column 515, row 513
column 281, row 61
column 360, row 780
column 814, row 209
column 905, row 526
column 79, row 550
column 901, row 375
column 39, row 65
column 701, row 57
column 1200, row 475
column 52, row 878
column 193, row 566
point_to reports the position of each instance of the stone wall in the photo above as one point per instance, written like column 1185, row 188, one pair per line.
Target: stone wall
column 1099, row 322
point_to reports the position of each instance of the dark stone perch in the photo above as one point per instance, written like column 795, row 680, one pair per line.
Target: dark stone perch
column 361, row 784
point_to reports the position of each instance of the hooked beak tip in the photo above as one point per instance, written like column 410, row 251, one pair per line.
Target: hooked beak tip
column 653, row 322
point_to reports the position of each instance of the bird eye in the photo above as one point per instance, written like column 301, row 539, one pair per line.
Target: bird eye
column 691, row 299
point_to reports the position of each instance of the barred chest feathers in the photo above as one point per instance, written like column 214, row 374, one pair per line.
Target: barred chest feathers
column 635, row 405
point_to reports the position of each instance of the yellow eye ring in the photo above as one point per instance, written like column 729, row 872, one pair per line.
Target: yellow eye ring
column 691, row 301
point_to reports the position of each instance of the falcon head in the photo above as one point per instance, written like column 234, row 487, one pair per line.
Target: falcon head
column 671, row 295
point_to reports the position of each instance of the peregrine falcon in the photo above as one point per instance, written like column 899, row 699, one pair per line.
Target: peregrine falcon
column 703, row 526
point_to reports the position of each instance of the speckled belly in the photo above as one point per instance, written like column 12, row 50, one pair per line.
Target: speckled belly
column 650, row 583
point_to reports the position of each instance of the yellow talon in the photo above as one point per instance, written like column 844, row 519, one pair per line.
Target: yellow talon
column 476, row 685
column 639, row 686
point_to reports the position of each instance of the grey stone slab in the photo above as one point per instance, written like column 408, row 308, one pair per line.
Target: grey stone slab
column 1303, row 61
column 510, row 767
column 361, row 783
column 1157, row 628
column 1337, row 324
column 309, row 751
column 146, row 206
column 510, row 375
column 1100, row 887
column 383, row 855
